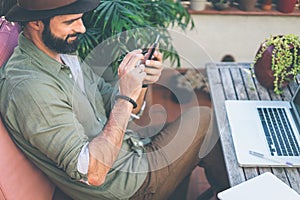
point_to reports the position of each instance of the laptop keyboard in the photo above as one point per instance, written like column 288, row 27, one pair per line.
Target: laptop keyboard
column 278, row 132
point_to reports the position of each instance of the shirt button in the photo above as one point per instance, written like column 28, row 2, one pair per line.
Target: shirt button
column 98, row 118
column 70, row 76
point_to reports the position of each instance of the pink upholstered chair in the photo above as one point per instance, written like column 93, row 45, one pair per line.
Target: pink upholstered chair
column 9, row 33
column 19, row 178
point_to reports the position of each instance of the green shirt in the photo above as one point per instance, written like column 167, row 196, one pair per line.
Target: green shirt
column 51, row 119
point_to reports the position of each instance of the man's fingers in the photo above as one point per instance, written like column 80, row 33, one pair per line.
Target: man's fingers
column 158, row 56
column 130, row 61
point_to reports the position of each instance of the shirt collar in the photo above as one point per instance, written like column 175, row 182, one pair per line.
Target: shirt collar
column 46, row 62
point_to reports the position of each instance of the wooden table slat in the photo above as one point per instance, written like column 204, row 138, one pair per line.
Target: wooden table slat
column 227, row 83
column 293, row 177
column 237, row 175
column 239, row 85
column 249, row 83
column 280, row 173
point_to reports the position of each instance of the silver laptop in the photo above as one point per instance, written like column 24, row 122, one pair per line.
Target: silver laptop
column 265, row 133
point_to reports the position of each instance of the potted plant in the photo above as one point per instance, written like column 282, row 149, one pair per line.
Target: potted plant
column 247, row 5
column 132, row 24
column 286, row 6
column 277, row 62
column 220, row 4
column 198, row 4
column 185, row 82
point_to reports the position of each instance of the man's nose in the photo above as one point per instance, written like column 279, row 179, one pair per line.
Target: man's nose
column 79, row 27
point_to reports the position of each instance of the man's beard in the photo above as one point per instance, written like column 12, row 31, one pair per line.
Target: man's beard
column 59, row 45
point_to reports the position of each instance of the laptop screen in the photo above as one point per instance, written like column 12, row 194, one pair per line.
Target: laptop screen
column 296, row 103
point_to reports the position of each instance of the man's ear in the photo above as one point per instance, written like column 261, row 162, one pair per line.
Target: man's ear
column 36, row 25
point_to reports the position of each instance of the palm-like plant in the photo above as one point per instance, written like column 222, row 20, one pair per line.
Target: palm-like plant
column 133, row 24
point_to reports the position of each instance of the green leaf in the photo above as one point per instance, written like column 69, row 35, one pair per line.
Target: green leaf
column 134, row 24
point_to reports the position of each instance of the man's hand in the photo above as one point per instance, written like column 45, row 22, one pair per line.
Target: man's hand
column 131, row 75
column 153, row 68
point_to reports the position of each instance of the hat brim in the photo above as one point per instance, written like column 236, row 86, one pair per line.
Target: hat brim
column 18, row 14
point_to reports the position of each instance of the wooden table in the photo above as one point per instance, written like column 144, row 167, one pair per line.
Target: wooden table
column 235, row 81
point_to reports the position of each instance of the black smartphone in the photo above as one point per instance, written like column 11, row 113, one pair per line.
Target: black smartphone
column 152, row 49
column 149, row 54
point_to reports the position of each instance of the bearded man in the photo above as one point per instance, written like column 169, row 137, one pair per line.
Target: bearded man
column 73, row 125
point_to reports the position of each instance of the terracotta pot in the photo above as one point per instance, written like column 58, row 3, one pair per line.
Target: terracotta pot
column 263, row 69
column 247, row 5
column 286, row 6
column 266, row 5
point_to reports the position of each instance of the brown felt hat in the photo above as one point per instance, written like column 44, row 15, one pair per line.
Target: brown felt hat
column 30, row 10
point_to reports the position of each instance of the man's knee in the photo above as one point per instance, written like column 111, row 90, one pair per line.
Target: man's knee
column 199, row 118
column 195, row 123
column 185, row 134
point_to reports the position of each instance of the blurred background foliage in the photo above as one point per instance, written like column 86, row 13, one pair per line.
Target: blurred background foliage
column 133, row 24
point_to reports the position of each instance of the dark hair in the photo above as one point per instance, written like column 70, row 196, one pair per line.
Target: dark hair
column 46, row 22
column 6, row 5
